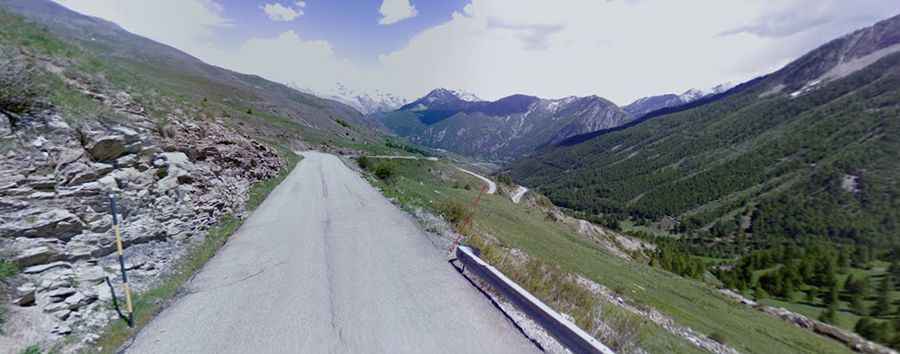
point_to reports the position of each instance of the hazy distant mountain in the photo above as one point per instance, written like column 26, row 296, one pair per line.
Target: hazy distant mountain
column 366, row 102
column 649, row 104
column 503, row 129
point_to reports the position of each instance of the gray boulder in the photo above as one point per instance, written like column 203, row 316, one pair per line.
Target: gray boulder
column 54, row 223
column 36, row 255
column 107, row 148
column 5, row 126
column 25, row 295
column 178, row 170
column 61, row 329
column 45, row 267
column 80, row 299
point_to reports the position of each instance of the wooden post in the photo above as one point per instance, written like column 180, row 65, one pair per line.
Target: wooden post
column 121, row 253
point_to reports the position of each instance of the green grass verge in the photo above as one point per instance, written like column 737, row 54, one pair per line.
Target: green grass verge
column 150, row 303
column 432, row 185
column 7, row 269
column 690, row 303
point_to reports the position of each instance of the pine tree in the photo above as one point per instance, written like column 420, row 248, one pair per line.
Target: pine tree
column 831, row 297
column 894, row 270
column 789, row 290
column 857, row 286
column 858, row 305
column 883, row 301
column 811, row 295
column 830, row 315
column 759, row 293
column 843, row 261
column 872, row 330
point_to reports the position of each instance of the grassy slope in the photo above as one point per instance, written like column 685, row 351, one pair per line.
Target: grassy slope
column 689, row 302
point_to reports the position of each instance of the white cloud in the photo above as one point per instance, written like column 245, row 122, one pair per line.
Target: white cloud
column 189, row 25
column 393, row 11
column 621, row 50
column 281, row 13
column 288, row 58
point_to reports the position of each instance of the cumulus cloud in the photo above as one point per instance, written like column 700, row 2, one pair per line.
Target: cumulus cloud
column 783, row 19
column 189, row 25
column 393, row 11
column 280, row 13
column 289, row 58
column 621, row 50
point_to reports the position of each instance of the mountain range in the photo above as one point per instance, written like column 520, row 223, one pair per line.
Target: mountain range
column 366, row 102
column 808, row 151
column 516, row 125
column 645, row 105
column 507, row 128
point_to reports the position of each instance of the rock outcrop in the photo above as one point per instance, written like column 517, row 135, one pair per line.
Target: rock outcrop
column 56, row 180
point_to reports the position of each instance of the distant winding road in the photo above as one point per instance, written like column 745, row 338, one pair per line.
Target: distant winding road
column 492, row 187
column 517, row 195
column 327, row 265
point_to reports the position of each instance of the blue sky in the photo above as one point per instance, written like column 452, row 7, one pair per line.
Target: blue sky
column 618, row 49
column 351, row 27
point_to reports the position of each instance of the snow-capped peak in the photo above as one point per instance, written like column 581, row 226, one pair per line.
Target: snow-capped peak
column 366, row 102
column 696, row 94
column 442, row 93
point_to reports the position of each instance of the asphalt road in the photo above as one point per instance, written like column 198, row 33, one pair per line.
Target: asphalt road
column 492, row 187
column 327, row 265
column 517, row 195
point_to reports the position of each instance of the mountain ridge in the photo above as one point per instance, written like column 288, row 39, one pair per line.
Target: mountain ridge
column 499, row 130
column 644, row 105
column 761, row 149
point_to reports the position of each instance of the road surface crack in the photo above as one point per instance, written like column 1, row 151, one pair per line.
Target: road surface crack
column 234, row 282
column 329, row 275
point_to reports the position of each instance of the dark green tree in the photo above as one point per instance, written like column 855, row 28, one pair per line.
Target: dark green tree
column 871, row 329
column 789, row 290
column 857, row 285
column 857, row 304
column 830, row 314
column 759, row 293
column 811, row 295
column 883, row 299
column 843, row 261
column 831, row 296
column 894, row 270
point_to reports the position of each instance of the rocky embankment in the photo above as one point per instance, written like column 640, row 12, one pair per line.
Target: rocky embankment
column 171, row 182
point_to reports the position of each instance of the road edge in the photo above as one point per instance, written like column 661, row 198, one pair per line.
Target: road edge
column 117, row 336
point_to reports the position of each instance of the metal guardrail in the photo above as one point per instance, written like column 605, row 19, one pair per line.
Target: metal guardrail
column 567, row 333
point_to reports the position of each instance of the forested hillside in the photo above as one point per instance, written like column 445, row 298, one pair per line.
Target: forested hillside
column 808, row 152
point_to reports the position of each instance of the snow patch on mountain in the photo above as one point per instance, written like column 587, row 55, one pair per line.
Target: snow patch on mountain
column 375, row 101
column 696, row 94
